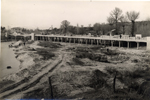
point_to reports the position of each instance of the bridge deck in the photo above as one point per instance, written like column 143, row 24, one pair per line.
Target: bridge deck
column 98, row 38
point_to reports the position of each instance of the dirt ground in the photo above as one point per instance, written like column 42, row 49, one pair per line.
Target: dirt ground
column 78, row 71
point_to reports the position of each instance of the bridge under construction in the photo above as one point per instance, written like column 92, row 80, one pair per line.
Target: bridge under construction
column 128, row 42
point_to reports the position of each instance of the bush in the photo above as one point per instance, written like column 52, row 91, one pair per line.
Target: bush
column 135, row 61
column 111, row 52
column 143, row 87
column 96, row 47
column 77, row 61
column 110, row 69
column 29, row 41
column 45, row 54
column 92, row 56
column 49, row 44
column 147, row 94
column 6, row 82
column 97, row 80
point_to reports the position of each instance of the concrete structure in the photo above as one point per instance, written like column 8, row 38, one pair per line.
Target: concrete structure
column 32, row 36
column 148, row 43
column 16, row 29
column 138, row 36
column 103, row 40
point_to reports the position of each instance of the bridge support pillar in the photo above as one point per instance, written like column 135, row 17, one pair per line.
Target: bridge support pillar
column 148, row 43
column 86, row 41
column 32, row 36
column 128, row 44
column 112, row 43
column 137, row 45
column 104, row 43
column 97, row 42
column 91, row 42
column 81, row 41
column 119, row 44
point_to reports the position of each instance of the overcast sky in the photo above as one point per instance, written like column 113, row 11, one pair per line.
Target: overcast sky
column 44, row 13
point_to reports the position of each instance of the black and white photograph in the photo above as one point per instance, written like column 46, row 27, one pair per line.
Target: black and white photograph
column 75, row 50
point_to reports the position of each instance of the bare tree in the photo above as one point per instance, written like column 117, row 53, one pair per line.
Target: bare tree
column 115, row 15
column 77, row 29
column 132, row 16
column 110, row 20
column 123, row 20
column 97, row 27
column 72, row 29
column 65, row 25
column 82, row 30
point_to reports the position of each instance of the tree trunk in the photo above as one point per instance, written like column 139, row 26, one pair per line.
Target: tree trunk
column 123, row 29
column 132, row 30
column 116, row 28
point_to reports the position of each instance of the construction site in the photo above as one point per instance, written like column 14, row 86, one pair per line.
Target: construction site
column 54, row 70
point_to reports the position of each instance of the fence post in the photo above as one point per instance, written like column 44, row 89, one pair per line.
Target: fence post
column 50, row 84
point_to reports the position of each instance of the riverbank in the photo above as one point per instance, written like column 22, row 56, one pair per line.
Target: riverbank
column 77, row 71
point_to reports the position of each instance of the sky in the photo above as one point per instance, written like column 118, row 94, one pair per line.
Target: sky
column 42, row 14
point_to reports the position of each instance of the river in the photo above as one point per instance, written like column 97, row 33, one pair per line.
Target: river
column 8, row 59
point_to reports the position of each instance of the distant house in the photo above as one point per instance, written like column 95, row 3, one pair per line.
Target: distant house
column 89, row 34
column 138, row 36
column 15, row 33
column 16, row 29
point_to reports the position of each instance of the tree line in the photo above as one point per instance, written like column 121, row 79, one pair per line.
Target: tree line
column 122, row 23
column 117, row 21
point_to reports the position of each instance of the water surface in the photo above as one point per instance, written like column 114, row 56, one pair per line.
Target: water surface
column 8, row 59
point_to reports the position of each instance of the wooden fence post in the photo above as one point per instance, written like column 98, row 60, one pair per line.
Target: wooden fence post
column 51, row 89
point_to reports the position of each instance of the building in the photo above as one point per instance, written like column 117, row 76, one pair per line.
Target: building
column 16, row 29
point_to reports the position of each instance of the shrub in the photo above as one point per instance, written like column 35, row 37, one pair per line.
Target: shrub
column 97, row 80
column 77, row 61
column 135, row 61
column 49, row 44
column 146, row 95
column 143, row 87
column 110, row 69
column 45, row 54
column 29, row 41
column 6, row 82
column 111, row 52
column 92, row 56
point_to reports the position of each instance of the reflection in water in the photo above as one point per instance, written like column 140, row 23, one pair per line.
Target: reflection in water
column 8, row 59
